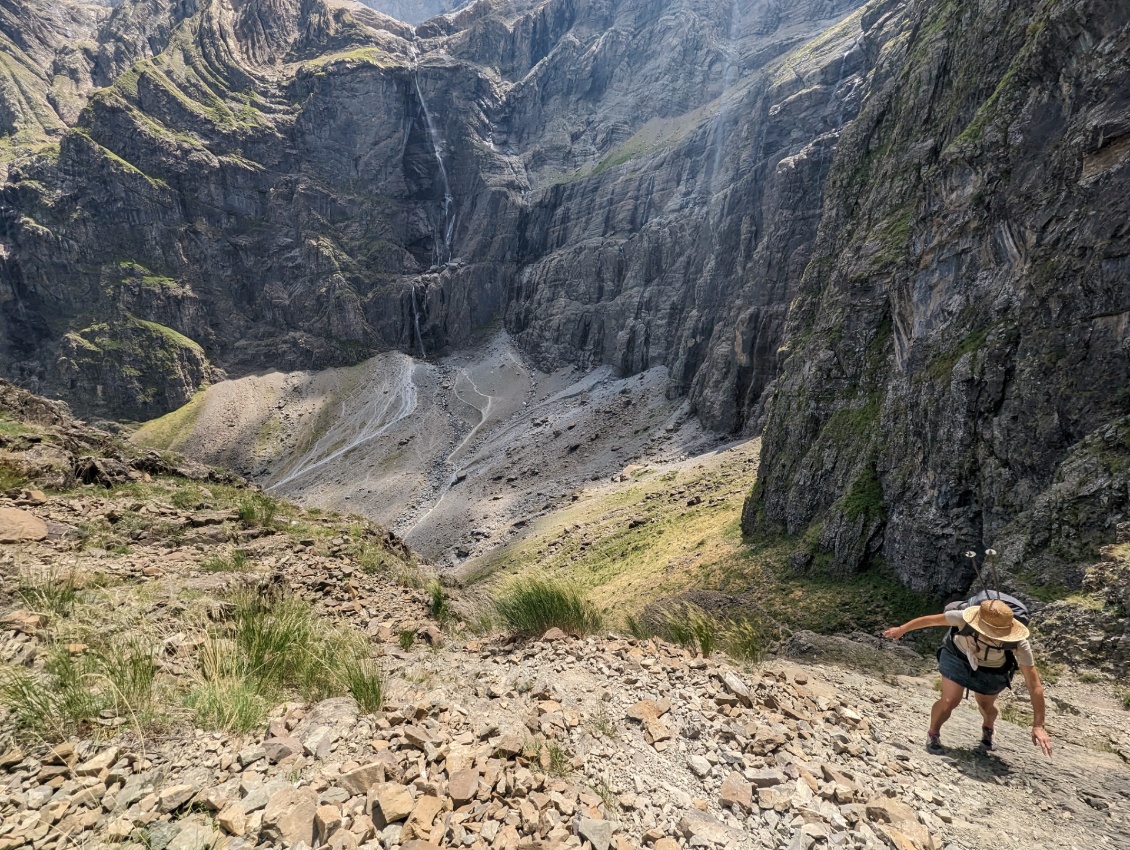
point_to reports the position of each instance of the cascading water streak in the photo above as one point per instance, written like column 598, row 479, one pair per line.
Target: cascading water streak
column 416, row 324
column 729, row 76
column 440, row 255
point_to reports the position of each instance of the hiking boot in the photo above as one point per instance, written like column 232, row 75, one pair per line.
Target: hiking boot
column 934, row 743
column 986, row 744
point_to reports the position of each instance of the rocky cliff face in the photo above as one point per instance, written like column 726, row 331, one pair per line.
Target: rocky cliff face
column 891, row 226
column 957, row 354
column 300, row 185
column 414, row 12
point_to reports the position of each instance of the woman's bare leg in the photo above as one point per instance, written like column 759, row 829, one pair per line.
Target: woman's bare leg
column 947, row 702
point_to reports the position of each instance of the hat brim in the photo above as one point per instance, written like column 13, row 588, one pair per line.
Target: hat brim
column 971, row 615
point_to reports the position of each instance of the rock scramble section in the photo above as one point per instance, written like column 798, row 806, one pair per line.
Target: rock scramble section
column 145, row 589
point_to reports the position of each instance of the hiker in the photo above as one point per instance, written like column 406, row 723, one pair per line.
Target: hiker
column 985, row 645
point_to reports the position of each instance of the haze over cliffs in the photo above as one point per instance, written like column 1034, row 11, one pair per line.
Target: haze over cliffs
column 891, row 234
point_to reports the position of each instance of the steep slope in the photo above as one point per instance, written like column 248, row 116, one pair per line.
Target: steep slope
column 44, row 67
column 143, row 702
column 957, row 355
column 457, row 457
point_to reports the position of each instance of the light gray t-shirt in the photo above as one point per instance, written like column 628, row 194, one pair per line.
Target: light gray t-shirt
column 983, row 651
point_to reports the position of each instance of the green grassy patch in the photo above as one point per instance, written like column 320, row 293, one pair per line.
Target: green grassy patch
column 269, row 648
column 11, row 428
column 173, row 429
column 629, row 544
column 11, row 478
column 532, row 605
column 76, row 691
column 236, row 562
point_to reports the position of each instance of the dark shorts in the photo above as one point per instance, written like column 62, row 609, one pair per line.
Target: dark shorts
column 955, row 667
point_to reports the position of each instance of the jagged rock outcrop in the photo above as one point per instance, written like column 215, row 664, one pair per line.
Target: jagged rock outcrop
column 415, row 12
column 317, row 184
column 957, row 354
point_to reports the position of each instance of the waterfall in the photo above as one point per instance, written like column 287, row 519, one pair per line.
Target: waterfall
column 440, row 254
column 416, row 324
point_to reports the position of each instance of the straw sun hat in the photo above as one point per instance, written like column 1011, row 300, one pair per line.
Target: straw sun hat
column 993, row 618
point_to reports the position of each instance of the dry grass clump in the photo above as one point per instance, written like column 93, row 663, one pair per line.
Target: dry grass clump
column 48, row 591
column 258, row 510
column 236, row 562
column 439, row 606
column 266, row 649
column 76, row 691
column 691, row 627
column 531, row 605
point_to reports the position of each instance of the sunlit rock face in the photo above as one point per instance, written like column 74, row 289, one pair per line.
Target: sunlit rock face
column 958, row 351
column 415, row 12
column 895, row 228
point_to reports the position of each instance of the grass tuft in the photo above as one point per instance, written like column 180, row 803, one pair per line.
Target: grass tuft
column 74, row 692
column 366, row 684
column 1049, row 670
column 228, row 703
column 560, row 761
column 602, row 723
column 11, row 478
column 258, row 510
column 438, row 604
column 48, row 590
column 270, row 648
column 691, row 627
column 237, row 562
column 531, row 605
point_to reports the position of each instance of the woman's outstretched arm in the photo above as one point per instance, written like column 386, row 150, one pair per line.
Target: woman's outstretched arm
column 927, row 622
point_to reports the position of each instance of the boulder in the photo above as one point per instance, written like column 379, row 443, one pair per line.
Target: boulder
column 463, row 786
column 419, row 823
column 699, row 765
column 99, row 763
column 597, row 832
column 698, row 826
column 289, row 817
column 172, row 798
column 280, row 748
column 358, row 781
column 325, row 724
column 18, row 526
column 736, row 791
column 738, row 688
column 327, row 821
column 391, row 803
column 193, row 836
